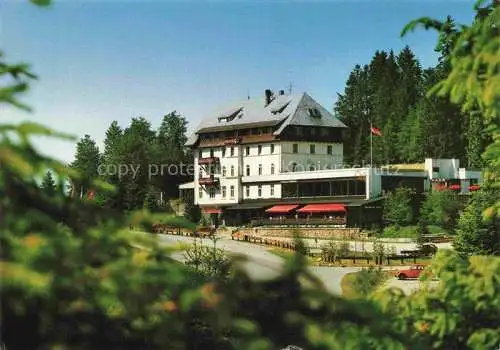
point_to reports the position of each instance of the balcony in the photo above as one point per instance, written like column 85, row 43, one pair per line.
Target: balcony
column 232, row 141
column 208, row 160
column 208, row 181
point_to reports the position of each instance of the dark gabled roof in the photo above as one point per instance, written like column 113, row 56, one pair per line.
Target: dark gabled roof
column 284, row 109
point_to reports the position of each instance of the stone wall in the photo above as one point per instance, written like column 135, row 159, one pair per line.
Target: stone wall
column 304, row 232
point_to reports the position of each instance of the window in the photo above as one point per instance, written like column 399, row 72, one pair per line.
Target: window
column 272, row 148
column 329, row 149
column 314, row 113
column 271, row 190
column 248, row 170
column 259, row 149
column 298, row 131
column 247, row 191
column 247, row 151
column 312, row 149
column 435, row 169
column 223, row 191
column 201, row 172
column 211, row 152
column 211, row 192
column 200, row 154
column 232, row 151
column 272, row 169
column 260, row 169
column 223, row 171
column 295, row 148
column 324, row 132
column 200, row 192
column 231, row 191
column 232, row 170
column 259, row 191
column 223, row 151
column 313, row 131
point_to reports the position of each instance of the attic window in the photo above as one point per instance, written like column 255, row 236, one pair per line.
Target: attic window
column 280, row 109
column 314, row 113
column 229, row 116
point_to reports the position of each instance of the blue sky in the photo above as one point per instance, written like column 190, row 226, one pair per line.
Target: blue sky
column 105, row 60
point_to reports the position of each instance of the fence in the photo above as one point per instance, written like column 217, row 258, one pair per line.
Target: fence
column 368, row 257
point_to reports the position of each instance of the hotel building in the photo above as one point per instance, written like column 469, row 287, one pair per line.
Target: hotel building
column 278, row 159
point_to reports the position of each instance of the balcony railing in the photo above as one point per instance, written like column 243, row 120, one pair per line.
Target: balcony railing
column 299, row 221
column 232, row 141
column 208, row 160
column 208, row 181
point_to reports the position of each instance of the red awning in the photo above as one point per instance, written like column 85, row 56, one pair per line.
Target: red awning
column 322, row 208
column 282, row 208
column 454, row 187
column 212, row 211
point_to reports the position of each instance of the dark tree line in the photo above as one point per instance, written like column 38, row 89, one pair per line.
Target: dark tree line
column 135, row 160
column 390, row 92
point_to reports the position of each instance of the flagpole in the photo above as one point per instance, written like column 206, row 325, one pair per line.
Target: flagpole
column 371, row 145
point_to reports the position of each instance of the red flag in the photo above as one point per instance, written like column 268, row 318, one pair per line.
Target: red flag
column 376, row 131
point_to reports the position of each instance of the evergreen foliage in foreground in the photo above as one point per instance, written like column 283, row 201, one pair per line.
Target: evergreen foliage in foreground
column 73, row 278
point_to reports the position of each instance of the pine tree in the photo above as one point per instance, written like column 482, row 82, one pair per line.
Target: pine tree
column 111, row 158
column 112, row 141
column 151, row 201
column 136, row 152
column 353, row 109
column 48, row 184
column 86, row 163
column 169, row 153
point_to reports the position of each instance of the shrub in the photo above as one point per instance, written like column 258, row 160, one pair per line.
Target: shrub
column 367, row 280
column 441, row 208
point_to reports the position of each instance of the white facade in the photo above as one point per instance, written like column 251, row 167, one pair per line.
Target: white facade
column 242, row 169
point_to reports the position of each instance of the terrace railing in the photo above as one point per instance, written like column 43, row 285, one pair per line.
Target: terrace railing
column 298, row 221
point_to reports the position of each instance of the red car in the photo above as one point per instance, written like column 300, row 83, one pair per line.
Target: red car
column 413, row 272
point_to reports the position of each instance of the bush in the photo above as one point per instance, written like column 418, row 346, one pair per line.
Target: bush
column 367, row 280
column 441, row 208
column 476, row 236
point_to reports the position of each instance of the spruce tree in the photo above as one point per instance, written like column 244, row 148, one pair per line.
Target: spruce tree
column 48, row 184
column 86, row 163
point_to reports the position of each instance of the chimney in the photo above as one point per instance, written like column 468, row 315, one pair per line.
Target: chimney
column 269, row 96
column 282, row 92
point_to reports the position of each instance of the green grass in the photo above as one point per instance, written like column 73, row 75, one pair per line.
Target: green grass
column 436, row 230
column 400, row 232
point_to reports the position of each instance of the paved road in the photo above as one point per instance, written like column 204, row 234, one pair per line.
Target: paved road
column 407, row 286
column 261, row 264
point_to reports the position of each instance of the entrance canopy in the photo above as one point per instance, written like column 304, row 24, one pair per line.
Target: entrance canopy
column 212, row 211
column 282, row 209
column 322, row 208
